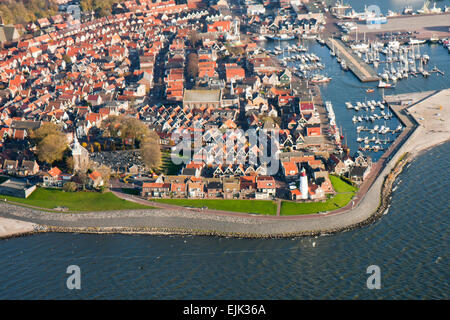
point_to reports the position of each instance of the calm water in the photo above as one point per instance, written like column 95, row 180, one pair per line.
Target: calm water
column 410, row 244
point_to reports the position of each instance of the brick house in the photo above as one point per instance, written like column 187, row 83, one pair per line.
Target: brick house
column 231, row 188
column 153, row 189
column 178, row 189
column 247, row 186
column 214, row 189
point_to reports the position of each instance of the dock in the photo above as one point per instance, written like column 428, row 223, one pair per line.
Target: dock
column 360, row 69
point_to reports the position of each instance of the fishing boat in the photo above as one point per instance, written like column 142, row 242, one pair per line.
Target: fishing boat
column 259, row 38
column 434, row 39
column 282, row 37
column 382, row 84
column 320, row 79
column 320, row 40
column 416, row 41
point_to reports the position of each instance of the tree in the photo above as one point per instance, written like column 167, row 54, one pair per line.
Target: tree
column 44, row 130
column 194, row 38
column 151, row 151
column 105, row 172
column 24, row 11
column 51, row 142
column 67, row 59
column 70, row 187
column 192, row 65
column 125, row 128
column 70, row 164
column 51, row 148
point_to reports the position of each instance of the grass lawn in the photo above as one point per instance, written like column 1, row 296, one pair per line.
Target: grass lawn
column 249, row 206
column 336, row 202
column 340, row 185
column 76, row 201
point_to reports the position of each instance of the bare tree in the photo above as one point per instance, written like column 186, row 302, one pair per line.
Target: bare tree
column 192, row 65
column 151, row 151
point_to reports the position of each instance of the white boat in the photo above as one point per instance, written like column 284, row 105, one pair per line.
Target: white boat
column 382, row 84
column 416, row 41
column 320, row 79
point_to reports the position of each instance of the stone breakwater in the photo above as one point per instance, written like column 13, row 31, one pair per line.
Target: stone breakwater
column 189, row 223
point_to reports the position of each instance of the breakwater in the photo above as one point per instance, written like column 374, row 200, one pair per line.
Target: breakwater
column 360, row 69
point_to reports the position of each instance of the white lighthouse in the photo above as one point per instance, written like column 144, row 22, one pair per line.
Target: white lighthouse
column 304, row 184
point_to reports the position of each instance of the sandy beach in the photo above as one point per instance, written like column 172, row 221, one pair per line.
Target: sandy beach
column 12, row 227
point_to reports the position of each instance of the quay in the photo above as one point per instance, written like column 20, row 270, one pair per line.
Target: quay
column 425, row 24
column 360, row 69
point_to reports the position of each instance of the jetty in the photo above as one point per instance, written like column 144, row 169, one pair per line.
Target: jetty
column 361, row 70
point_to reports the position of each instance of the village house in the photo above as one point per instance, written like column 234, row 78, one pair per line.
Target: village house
column 195, row 188
column 214, row 189
column 358, row 173
column 55, row 178
column 266, row 187
column 155, row 190
column 231, row 188
column 178, row 189
column 95, row 180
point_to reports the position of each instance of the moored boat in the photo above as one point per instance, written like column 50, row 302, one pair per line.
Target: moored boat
column 320, row 79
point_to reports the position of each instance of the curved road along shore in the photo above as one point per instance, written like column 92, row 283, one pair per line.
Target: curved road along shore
column 426, row 132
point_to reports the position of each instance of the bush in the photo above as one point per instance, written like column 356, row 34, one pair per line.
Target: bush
column 70, row 187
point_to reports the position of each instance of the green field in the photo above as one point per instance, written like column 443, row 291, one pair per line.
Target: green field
column 76, row 201
column 340, row 185
column 336, row 202
column 249, row 206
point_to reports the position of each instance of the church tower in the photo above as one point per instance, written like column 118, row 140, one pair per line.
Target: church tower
column 80, row 155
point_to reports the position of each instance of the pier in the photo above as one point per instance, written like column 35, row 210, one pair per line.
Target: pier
column 361, row 70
